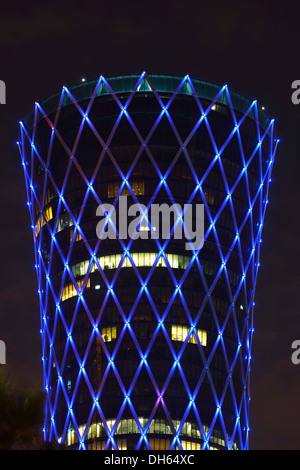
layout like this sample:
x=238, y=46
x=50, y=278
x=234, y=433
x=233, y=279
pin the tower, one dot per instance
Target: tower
x=147, y=344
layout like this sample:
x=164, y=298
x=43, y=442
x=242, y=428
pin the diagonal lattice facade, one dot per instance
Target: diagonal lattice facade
x=147, y=345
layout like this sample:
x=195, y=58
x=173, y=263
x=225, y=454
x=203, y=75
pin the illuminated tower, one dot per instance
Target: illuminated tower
x=147, y=345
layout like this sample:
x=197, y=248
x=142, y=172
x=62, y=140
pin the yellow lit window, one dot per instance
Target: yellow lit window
x=138, y=188
x=47, y=198
x=109, y=333
x=187, y=445
x=77, y=237
x=38, y=226
x=179, y=333
x=71, y=437
x=139, y=259
x=70, y=290
x=112, y=189
x=122, y=444
x=144, y=227
x=159, y=444
x=157, y=426
x=46, y=215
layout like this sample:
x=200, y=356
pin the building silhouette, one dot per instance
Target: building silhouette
x=147, y=345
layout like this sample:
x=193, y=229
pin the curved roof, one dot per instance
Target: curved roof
x=162, y=84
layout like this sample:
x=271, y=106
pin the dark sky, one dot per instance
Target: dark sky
x=254, y=48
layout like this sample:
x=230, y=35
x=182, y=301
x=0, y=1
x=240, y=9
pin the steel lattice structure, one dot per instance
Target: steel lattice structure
x=146, y=345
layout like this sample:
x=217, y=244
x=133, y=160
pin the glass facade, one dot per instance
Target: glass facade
x=147, y=345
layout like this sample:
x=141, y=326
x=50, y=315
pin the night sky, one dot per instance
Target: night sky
x=250, y=46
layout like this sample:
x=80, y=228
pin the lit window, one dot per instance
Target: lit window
x=122, y=444
x=157, y=426
x=70, y=290
x=64, y=221
x=109, y=333
x=187, y=445
x=179, y=333
x=45, y=216
x=218, y=108
x=48, y=215
x=138, y=188
x=77, y=237
x=144, y=227
x=112, y=189
x=139, y=259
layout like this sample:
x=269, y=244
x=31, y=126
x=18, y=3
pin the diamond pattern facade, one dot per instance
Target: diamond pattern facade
x=147, y=345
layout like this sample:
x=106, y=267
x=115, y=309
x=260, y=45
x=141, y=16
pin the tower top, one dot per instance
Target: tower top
x=152, y=83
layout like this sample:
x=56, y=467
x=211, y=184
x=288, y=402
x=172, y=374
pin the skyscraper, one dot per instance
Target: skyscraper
x=147, y=344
